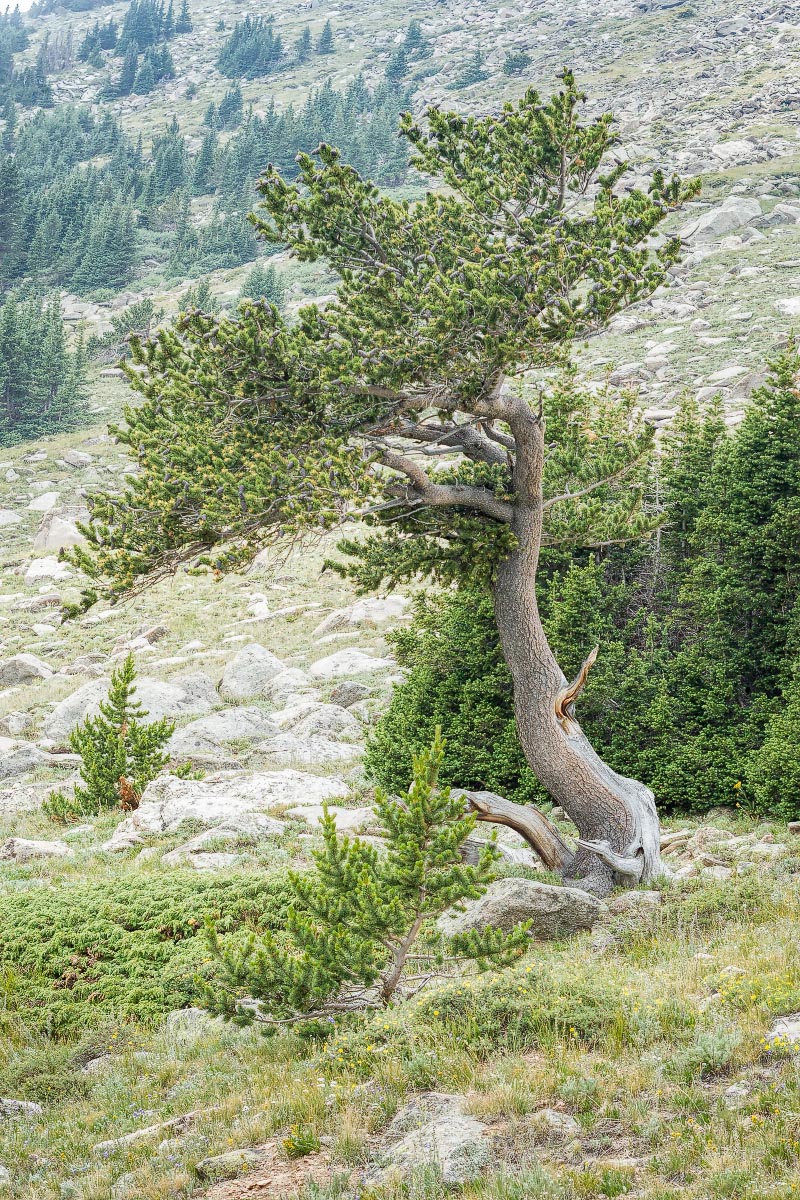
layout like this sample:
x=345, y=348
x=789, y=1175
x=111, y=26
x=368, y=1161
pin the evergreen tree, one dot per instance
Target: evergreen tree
x=516, y=62
x=203, y=177
x=127, y=76
x=184, y=21
x=355, y=918
x=9, y=116
x=472, y=72
x=120, y=753
x=415, y=42
x=325, y=40
x=397, y=67
x=231, y=107
x=332, y=392
x=263, y=283
x=303, y=46
x=145, y=79
x=201, y=297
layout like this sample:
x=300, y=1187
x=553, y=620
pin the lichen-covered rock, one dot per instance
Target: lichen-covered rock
x=227, y=1166
x=24, y=850
x=348, y=662
x=433, y=1131
x=554, y=912
x=188, y=695
x=22, y=668
x=248, y=674
x=207, y=734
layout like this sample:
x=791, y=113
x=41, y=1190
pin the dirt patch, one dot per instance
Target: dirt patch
x=276, y=1177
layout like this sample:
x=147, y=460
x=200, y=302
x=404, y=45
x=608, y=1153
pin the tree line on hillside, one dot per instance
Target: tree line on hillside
x=27, y=86
x=77, y=194
x=42, y=382
x=254, y=49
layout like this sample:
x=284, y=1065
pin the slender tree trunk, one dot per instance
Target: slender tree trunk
x=616, y=817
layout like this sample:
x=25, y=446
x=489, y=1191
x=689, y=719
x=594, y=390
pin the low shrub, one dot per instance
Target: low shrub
x=125, y=947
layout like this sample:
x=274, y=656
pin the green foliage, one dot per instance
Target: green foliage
x=356, y=918
x=694, y=690
x=263, y=283
x=251, y=50
x=120, y=754
x=124, y=947
x=441, y=299
x=42, y=383
x=136, y=320
x=516, y=62
x=325, y=40
x=471, y=72
x=199, y=295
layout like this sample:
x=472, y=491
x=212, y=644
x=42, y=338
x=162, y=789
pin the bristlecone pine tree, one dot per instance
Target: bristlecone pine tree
x=119, y=753
x=356, y=918
x=451, y=325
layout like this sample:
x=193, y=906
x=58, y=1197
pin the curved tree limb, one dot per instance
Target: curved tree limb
x=526, y=820
x=424, y=491
x=565, y=700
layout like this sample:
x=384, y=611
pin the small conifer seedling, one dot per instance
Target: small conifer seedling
x=356, y=919
x=120, y=754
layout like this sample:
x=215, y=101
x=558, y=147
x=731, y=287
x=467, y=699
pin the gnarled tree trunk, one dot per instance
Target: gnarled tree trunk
x=619, y=840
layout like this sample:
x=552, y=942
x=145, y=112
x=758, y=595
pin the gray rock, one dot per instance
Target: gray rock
x=247, y=675
x=7, y=517
x=147, y=1134
x=14, y=723
x=207, y=734
x=48, y=567
x=22, y=850
x=309, y=751
x=227, y=1166
x=190, y=695
x=195, y=853
x=5, y=1176
x=19, y=1108
x=432, y=1131
x=21, y=759
x=734, y=213
x=369, y=612
x=549, y=1120
x=288, y=685
x=56, y=532
x=348, y=662
x=785, y=1031
x=77, y=458
x=634, y=902
x=349, y=692
x=554, y=912
x=21, y=668
x=218, y=800
x=329, y=721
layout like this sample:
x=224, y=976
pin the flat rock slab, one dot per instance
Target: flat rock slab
x=432, y=1131
x=348, y=662
x=218, y=800
x=309, y=751
x=249, y=673
x=22, y=668
x=554, y=912
x=207, y=734
x=189, y=695
x=19, y=1108
x=22, y=850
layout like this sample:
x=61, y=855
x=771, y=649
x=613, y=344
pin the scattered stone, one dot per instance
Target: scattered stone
x=21, y=668
x=549, y=1120
x=55, y=533
x=349, y=692
x=790, y=307
x=329, y=721
x=147, y=1134
x=309, y=751
x=22, y=850
x=46, y=568
x=45, y=502
x=634, y=902
x=7, y=517
x=227, y=1166
x=5, y=1176
x=24, y=757
x=15, y=723
x=77, y=458
x=348, y=820
x=433, y=1130
x=794, y=827
x=554, y=912
x=735, y=212
x=289, y=685
x=248, y=674
x=206, y=735
x=786, y=1030
x=219, y=799
x=348, y=662
x=369, y=612
x=195, y=853
x=189, y=695
x=19, y=1108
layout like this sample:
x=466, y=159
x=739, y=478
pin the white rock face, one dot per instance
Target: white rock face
x=46, y=568
x=433, y=1130
x=22, y=758
x=369, y=612
x=56, y=532
x=219, y=799
x=247, y=675
x=790, y=307
x=734, y=213
x=348, y=820
x=311, y=719
x=14, y=723
x=207, y=734
x=23, y=850
x=21, y=668
x=554, y=912
x=289, y=684
x=45, y=502
x=348, y=662
x=191, y=695
x=310, y=751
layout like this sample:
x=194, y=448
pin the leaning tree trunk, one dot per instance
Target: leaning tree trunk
x=619, y=836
